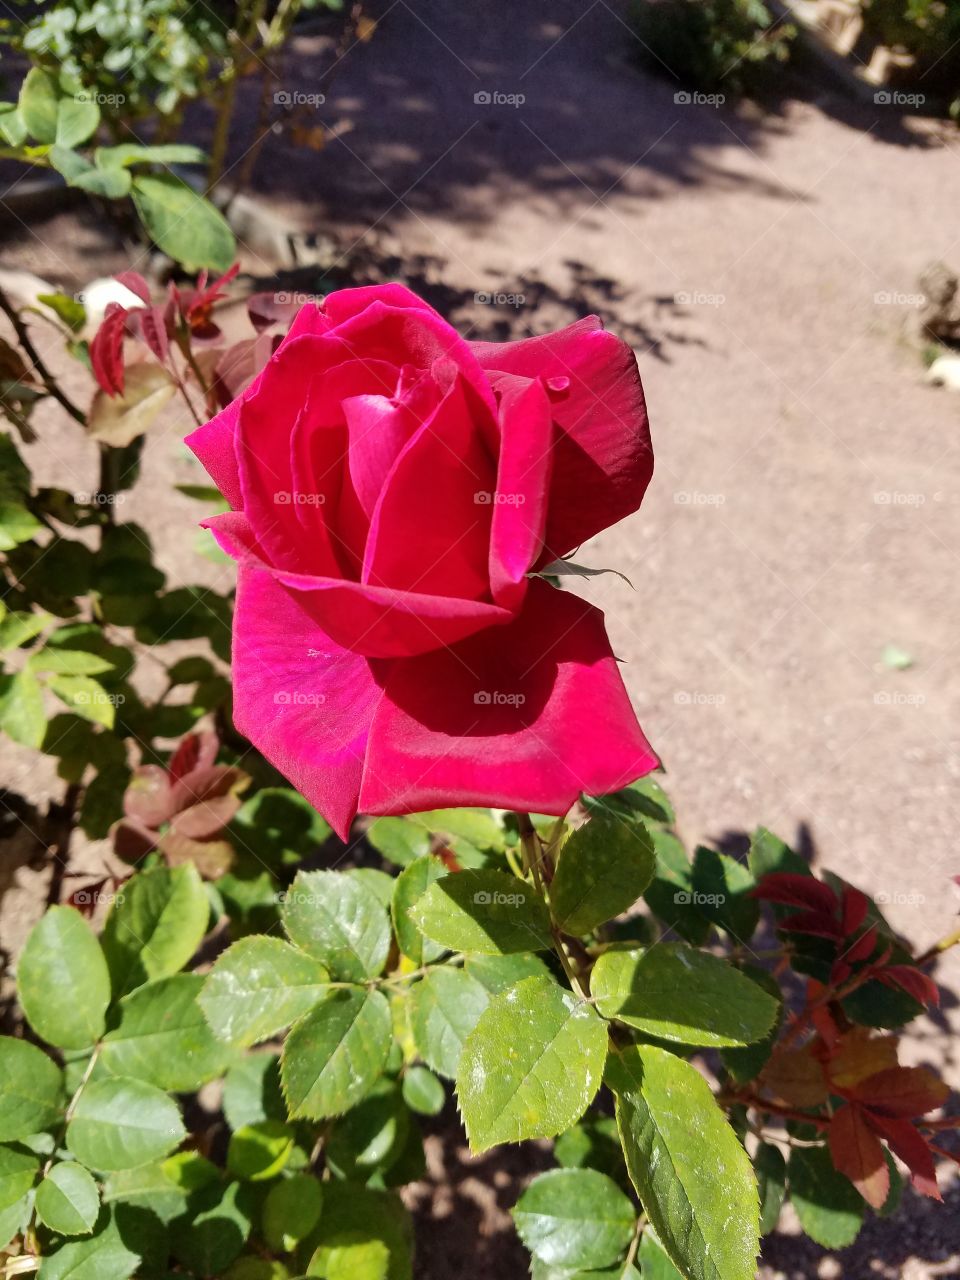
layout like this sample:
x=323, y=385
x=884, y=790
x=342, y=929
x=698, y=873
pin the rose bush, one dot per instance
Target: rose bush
x=393, y=489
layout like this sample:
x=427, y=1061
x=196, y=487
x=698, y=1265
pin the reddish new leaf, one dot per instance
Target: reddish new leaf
x=106, y=350
x=912, y=981
x=196, y=751
x=819, y=924
x=858, y=1055
x=854, y=908
x=901, y=1091
x=863, y=948
x=792, y=890
x=858, y=1155
x=907, y=1143
x=148, y=800
x=135, y=282
x=795, y=1077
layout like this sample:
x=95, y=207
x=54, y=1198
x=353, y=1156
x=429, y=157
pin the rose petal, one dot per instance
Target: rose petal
x=602, y=458
x=376, y=622
x=430, y=531
x=215, y=442
x=522, y=492
x=300, y=698
x=524, y=717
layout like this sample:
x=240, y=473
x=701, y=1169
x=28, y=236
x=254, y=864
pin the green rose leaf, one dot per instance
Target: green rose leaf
x=258, y=987
x=410, y=886
x=68, y=1201
x=121, y=1124
x=575, y=1218
x=723, y=888
x=771, y=1171
x=674, y=992
x=531, y=1065
x=31, y=1089
x=17, y=525
x=339, y=921
x=444, y=1008
x=38, y=105
x=603, y=869
x=259, y=1151
x=181, y=223
x=291, y=1211
x=399, y=840
x=670, y=894
x=22, y=716
x=163, y=1037
x=77, y=119
x=496, y=973
x=214, y=1228
x=122, y=1246
x=86, y=697
x=694, y=1179
x=18, y=1168
x=491, y=912
x=422, y=1091
x=155, y=925
x=335, y=1054
x=251, y=1091
x=829, y=1206
x=353, y=1214
x=654, y=1262
x=63, y=981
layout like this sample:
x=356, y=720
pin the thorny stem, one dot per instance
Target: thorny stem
x=46, y=377
x=532, y=852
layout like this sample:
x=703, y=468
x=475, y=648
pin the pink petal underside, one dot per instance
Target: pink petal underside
x=299, y=697
x=526, y=716
x=215, y=442
x=430, y=531
x=377, y=622
x=522, y=491
x=602, y=459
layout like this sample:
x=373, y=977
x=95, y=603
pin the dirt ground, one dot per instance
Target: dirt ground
x=805, y=513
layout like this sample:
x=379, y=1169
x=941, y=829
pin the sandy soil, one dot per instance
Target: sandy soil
x=806, y=509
